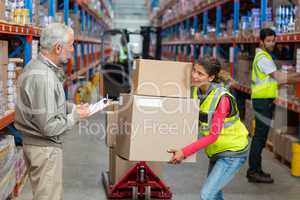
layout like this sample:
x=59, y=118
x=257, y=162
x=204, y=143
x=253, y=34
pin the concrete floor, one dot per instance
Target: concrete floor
x=86, y=156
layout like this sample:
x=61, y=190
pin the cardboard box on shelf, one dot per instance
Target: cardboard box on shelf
x=289, y=140
x=286, y=90
x=249, y=116
x=2, y=9
x=280, y=63
x=149, y=126
x=278, y=144
x=286, y=121
x=174, y=79
x=119, y=167
x=3, y=77
x=76, y=26
x=229, y=27
x=4, y=52
x=244, y=72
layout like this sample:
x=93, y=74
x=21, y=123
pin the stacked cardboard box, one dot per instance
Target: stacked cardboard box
x=244, y=72
x=289, y=140
x=35, y=49
x=162, y=78
x=285, y=132
x=285, y=120
x=119, y=167
x=249, y=117
x=112, y=125
x=3, y=63
x=278, y=143
x=73, y=21
x=76, y=25
x=2, y=9
x=282, y=144
x=3, y=76
x=149, y=126
x=229, y=27
x=297, y=14
x=11, y=85
x=160, y=115
x=168, y=121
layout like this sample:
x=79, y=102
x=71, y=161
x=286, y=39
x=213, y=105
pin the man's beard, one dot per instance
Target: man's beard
x=63, y=61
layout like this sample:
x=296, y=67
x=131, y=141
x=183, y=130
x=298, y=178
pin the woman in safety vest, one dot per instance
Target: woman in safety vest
x=225, y=138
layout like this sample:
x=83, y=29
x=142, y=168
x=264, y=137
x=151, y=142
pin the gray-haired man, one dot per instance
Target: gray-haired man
x=42, y=113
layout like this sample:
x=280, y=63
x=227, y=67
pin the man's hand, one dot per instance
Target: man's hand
x=177, y=157
x=83, y=110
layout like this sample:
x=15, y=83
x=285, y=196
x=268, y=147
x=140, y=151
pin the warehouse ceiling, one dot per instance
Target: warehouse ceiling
x=130, y=14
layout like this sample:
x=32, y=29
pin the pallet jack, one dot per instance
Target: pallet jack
x=140, y=182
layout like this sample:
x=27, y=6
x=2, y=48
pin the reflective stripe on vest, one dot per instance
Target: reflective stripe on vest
x=211, y=108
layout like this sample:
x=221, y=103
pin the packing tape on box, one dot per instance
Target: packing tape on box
x=121, y=101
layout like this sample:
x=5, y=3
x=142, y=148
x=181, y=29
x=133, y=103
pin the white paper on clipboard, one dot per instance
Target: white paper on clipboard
x=99, y=106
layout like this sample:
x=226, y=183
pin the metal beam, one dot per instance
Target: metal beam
x=66, y=11
x=236, y=16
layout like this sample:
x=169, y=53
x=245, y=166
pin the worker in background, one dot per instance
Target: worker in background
x=123, y=51
x=264, y=90
x=225, y=138
x=42, y=114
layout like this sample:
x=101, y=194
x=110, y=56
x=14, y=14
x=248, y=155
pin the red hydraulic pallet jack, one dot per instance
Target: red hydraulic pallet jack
x=139, y=183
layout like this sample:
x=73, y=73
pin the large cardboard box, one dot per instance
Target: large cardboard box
x=149, y=126
x=112, y=125
x=119, y=167
x=4, y=52
x=162, y=78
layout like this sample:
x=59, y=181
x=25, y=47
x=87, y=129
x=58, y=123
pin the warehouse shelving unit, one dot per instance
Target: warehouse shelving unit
x=161, y=11
x=91, y=61
x=200, y=41
x=232, y=41
x=86, y=45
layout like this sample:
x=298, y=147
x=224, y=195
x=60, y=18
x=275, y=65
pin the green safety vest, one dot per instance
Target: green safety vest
x=123, y=56
x=234, y=134
x=263, y=86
